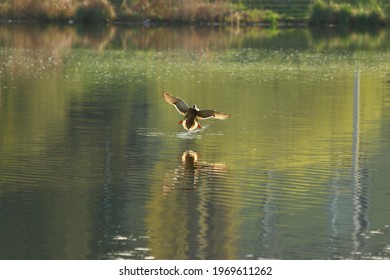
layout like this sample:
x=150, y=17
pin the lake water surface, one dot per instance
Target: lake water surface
x=93, y=163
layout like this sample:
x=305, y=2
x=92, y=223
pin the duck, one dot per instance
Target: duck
x=192, y=114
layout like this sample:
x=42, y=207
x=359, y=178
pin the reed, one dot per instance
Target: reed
x=196, y=11
x=177, y=10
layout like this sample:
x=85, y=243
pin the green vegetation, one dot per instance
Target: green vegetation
x=232, y=12
x=346, y=14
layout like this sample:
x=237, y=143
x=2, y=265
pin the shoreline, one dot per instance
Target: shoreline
x=178, y=23
x=168, y=23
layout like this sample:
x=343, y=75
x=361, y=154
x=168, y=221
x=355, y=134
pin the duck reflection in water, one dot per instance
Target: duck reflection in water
x=188, y=174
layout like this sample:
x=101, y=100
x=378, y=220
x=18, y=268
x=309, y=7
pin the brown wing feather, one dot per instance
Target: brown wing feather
x=206, y=114
x=179, y=104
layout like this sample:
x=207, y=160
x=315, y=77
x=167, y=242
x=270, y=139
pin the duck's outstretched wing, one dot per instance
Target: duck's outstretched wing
x=179, y=104
x=206, y=114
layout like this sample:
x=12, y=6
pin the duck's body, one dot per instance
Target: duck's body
x=192, y=114
x=190, y=121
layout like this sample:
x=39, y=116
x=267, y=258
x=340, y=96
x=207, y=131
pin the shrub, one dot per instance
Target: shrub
x=345, y=14
x=95, y=11
x=60, y=10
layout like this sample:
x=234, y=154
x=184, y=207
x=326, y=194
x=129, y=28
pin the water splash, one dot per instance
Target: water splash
x=189, y=135
x=193, y=134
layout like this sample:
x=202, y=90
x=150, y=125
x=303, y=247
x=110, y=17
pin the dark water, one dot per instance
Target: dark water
x=93, y=163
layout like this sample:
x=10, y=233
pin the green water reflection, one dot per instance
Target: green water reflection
x=94, y=165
